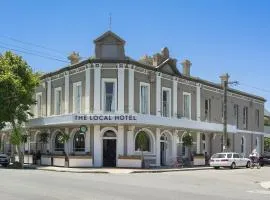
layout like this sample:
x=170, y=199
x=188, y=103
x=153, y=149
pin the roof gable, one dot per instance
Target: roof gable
x=169, y=67
x=109, y=37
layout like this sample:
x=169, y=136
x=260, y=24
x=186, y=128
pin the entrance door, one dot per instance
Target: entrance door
x=162, y=154
x=109, y=152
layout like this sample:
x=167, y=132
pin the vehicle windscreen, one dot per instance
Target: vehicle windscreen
x=219, y=156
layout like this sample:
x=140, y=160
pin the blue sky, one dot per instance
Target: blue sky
x=217, y=36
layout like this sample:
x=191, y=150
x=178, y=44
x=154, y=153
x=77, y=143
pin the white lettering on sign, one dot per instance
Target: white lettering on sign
x=105, y=117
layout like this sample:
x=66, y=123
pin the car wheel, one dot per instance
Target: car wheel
x=233, y=166
x=248, y=164
x=216, y=167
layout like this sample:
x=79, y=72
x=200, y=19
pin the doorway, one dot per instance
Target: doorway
x=162, y=153
x=109, y=149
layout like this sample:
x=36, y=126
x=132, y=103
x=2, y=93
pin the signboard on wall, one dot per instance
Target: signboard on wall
x=104, y=117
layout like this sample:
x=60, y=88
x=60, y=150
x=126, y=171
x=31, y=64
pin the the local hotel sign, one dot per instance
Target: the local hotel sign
x=105, y=117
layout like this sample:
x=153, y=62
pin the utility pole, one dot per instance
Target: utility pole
x=225, y=81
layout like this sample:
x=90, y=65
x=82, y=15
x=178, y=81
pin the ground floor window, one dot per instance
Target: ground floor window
x=79, y=142
x=59, y=143
x=142, y=142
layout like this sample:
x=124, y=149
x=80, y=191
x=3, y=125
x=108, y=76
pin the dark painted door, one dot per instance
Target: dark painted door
x=109, y=153
x=162, y=153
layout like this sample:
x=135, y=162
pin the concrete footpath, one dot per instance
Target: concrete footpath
x=115, y=170
x=265, y=185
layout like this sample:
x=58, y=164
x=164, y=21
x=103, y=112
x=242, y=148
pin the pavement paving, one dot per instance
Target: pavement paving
x=116, y=170
x=210, y=184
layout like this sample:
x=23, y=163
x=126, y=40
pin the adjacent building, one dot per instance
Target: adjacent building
x=116, y=99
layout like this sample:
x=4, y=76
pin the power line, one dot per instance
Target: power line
x=257, y=88
x=29, y=50
x=34, y=54
x=32, y=44
x=38, y=45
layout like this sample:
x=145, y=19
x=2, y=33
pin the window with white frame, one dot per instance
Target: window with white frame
x=57, y=100
x=207, y=109
x=77, y=97
x=142, y=142
x=187, y=105
x=144, y=98
x=245, y=117
x=39, y=104
x=166, y=102
x=109, y=95
x=257, y=118
x=236, y=114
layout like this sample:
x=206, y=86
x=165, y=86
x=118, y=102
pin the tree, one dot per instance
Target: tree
x=187, y=141
x=64, y=139
x=17, y=88
x=44, y=137
x=266, y=143
x=142, y=141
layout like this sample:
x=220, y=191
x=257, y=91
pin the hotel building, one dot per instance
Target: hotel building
x=115, y=99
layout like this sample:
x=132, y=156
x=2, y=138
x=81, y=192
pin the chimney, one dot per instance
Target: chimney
x=156, y=59
x=74, y=58
x=186, y=67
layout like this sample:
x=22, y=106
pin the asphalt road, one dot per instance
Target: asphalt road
x=192, y=185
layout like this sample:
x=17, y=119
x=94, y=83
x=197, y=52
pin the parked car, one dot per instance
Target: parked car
x=229, y=159
x=4, y=160
x=265, y=159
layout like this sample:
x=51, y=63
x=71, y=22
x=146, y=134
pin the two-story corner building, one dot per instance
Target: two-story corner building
x=119, y=99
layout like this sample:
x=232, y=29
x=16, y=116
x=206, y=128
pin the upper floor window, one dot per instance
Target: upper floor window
x=257, y=118
x=58, y=100
x=207, y=109
x=109, y=95
x=39, y=104
x=236, y=114
x=187, y=105
x=77, y=97
x=245, y=117
x=166, y=104
x=145, y=98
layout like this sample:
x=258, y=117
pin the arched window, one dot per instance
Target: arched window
x=59, y=143
x=242, y=145
x=79, y=142
x=142, y=142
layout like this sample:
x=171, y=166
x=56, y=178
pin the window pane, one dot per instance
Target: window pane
x=144, y=100
x=79, y=142
x=109, y=97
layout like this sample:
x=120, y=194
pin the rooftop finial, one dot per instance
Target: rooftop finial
x=110, y=22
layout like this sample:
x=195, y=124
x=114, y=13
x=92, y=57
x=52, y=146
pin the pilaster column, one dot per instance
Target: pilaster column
x=49, y=93
x=174, y=107
x=158, y=147
x=198, y=142
x=130, y=89
x=158, y=95
x=130, y=140
x=67, y=144
x=198, y=102
x=120, y=141
x=87, y=140
x=87, y=90
x=97, y=88
x=66, y=111
x=174, y=145
x=97, y=147
x=121, y=88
